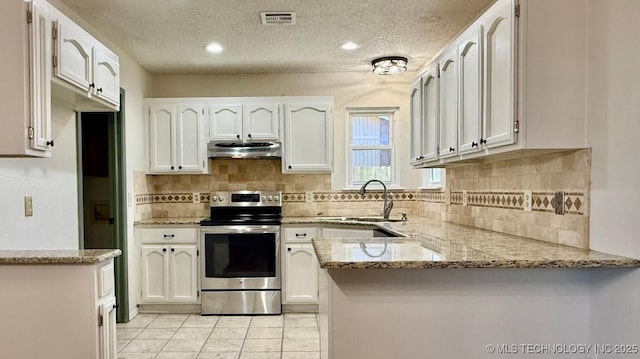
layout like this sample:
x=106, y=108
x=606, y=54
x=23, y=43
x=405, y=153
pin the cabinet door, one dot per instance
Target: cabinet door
x=161, y=140
x=308, y=138
x=107, y=329
x=301, y=273
x=40, y=67
x=499, y=74
x=415, y=98
x=189, y=156
x=225, y=123
x=261, y=122
x=430, y=114
x=470, y=101
x=106, y=74
x=155, y=274
x=73, y=52
x=448, y=104
x=184, y=274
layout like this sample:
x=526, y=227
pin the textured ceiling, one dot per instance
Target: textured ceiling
x=169, y=36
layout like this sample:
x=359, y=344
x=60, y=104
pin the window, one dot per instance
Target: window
x=371, y=146
x=433, y=178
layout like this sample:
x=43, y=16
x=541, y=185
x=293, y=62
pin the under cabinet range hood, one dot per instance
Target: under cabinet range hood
x=244, y=150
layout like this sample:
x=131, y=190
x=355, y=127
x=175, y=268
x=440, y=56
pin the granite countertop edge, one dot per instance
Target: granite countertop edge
x=87, y=256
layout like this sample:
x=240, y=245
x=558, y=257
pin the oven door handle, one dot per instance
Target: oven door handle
x=240, y=229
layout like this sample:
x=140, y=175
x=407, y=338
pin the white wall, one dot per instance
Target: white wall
x=52, y=182
x=352, y=89
x=614, y=114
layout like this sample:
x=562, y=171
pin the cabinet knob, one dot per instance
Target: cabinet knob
x=238, y=136
x=179, y=167
x=164, y=249
x=173, y=249
x=482, y=140
x=289, y=249
x=474, y=144
x=451, y=149
x=99, y=89
x=50, y=143
x=249, y=135
x=172, y=167
x=289, y=167
x=92, y=85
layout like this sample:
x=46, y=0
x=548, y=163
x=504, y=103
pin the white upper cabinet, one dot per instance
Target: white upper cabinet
x=176, y=140
x=415, y=101
x=448, y=103
x=261, y=122
x=470, y=100
x=308, y=135
x=247, y=120
x=25, y=89
x=225, y=123
x=499, y=74
x=500, y=92
x=430, y=114
x=87, y=73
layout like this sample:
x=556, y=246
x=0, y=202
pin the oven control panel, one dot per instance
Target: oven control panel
x=245, y=198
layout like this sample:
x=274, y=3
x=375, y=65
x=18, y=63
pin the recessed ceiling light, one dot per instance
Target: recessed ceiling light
x=214, y=47
x=349, y=46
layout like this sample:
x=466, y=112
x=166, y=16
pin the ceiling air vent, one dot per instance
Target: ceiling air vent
x=278, y=17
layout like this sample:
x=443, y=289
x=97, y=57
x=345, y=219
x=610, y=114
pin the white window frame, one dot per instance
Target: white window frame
x=392, y=112
x=429, y=183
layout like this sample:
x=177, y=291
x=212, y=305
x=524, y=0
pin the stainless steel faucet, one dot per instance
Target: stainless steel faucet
x=388, y=198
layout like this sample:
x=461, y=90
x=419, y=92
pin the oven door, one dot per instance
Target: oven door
x=240, y=257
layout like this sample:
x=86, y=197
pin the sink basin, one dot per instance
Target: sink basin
x=364, y=219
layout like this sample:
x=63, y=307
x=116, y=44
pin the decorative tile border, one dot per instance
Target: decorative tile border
x=575, y=202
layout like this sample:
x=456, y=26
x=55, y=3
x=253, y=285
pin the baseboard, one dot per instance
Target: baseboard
x=300, y=308
x=133, y=313
x=171, y=308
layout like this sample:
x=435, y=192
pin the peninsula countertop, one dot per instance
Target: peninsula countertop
x=80, y=256
x=447, y=245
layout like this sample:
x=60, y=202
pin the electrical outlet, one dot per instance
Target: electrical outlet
x=528, y=201
x=465, y=198
x=558, y=202
x=196, y=197
x=129, y=199
x=447, y=196
x=308, y=196
x=28, y=206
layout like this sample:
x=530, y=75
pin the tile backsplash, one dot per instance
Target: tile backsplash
x=495, y=195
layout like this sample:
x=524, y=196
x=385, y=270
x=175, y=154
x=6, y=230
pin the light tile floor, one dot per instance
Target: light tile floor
x=192, y=336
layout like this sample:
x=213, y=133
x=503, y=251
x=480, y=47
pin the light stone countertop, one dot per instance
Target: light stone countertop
x=80, y=256
x=449, y=246
x=169, y=221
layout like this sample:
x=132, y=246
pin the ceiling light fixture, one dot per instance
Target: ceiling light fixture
x=349, y=46
x=390, y=65
x=214, y=47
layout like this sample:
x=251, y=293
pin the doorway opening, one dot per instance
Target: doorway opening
x=102, y=192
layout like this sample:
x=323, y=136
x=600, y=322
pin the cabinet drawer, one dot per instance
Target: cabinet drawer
x=300, y=234
x=168, y=235
x=106, y=280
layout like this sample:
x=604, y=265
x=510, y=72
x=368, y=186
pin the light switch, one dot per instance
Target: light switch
x=308, y=196
x=28, y=206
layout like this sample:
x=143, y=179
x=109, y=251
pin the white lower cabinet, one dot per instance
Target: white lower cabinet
x=169, y=267
x=302, y=273
x=300, y=266
x=107, y=329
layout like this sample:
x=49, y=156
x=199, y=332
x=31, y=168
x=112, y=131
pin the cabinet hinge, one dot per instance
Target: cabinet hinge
x=30, y=133
x=54, y=32
x=54, y=60
x=203, y=111
x=198, y=294
x=197, y=252
x=438, y=71
x=100, y=320
x=516, y=11
x=516, y=126
x=29, y=16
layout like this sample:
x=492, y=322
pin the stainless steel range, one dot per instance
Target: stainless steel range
x=240, y=253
